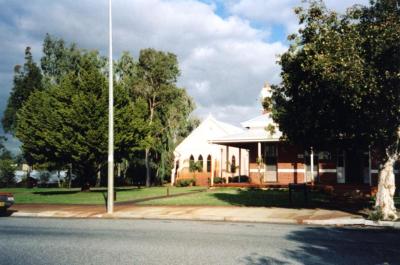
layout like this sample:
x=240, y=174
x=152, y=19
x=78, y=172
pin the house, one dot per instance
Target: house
x=268, y=160
x=216, y=160
x=274, y=161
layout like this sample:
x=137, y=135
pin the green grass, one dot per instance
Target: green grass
x=244, y=197
x=95, y=196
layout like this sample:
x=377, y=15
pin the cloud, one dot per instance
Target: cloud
x=224, y=61
x=281, y=12
x=224, y=47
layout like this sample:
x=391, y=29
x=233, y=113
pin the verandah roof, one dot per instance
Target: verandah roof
x=248, y=136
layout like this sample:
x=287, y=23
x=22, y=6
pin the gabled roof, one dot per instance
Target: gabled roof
x=260, y=121
x=256, y=132
x=209, y=128
x=254, y=135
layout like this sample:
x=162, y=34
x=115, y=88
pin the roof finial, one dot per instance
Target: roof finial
x=266, y=91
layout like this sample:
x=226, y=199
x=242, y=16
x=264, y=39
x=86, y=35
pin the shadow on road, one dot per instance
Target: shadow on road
x=318, y=245
x=7, y=212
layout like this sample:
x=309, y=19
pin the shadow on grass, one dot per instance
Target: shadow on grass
x=66, y=192
x=59, y=192
x=321, y=245
x=280, y=198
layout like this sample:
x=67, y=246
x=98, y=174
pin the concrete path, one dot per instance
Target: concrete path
x=216, y=213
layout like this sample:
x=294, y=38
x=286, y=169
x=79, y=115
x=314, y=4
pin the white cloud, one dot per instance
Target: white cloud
x=281, y=12
x=224, y=61
x=229, y=113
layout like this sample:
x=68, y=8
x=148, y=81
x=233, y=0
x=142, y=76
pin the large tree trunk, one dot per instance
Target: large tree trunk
x=70, y=176
x=386, y=190
x=146, y=162
x=147, y=151
x=98, y=179
x=58, y=179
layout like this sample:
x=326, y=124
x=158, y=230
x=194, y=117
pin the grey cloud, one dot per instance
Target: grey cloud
x=224, y=61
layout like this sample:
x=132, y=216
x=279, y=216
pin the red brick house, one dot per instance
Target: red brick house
x=275, y=162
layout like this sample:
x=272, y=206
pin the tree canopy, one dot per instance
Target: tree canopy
x=27, y=79
x=168, y=109
x=341, y=79
x=62, y=121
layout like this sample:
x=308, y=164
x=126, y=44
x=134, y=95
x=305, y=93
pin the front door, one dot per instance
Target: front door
x=354, y=166
x=271, y=159
x=307, y=164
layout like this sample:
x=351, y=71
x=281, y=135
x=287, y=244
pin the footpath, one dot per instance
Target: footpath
x=203, y=213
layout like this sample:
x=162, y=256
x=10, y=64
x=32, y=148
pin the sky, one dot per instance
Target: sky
x=226, y=49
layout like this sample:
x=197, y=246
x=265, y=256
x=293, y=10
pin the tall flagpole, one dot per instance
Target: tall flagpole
x=110, y=191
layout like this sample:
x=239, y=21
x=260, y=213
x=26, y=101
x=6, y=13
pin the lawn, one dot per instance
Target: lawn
x=244, y=197
x=266, y=198
x=95, y=196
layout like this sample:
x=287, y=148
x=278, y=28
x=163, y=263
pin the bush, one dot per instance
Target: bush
x=375, y=215
x=7, y=175
x=185, y=182
x=218, y=180
x=235, y=179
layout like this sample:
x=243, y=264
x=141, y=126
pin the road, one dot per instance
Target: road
x=91, y=241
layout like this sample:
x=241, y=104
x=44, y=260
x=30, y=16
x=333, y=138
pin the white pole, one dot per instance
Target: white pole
x=110, y=191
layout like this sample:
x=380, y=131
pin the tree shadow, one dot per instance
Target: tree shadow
x=321, y=245
x=280, y=198
x=60, y=192
x=75, y=191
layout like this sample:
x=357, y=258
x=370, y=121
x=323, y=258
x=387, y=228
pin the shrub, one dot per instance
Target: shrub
x=7, y=175
x=218, y=180
x=235, y=179
x=375, y=215
x=185, y=182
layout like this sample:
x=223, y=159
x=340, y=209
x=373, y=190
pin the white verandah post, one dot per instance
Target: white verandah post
x=369, y=166
x=227, y=164
x=240, y=163
x=312, y=164
x=212, y=171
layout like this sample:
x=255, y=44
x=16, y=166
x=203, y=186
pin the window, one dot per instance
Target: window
x=200, y=163
x=271, y=159
x=209, y=163
x=270, y=150
x=233, y=164
x=191, y=163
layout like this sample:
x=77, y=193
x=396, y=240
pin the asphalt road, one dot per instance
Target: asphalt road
x=88, y=241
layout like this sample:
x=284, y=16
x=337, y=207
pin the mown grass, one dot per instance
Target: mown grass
x=95, y=196
x=245, y=197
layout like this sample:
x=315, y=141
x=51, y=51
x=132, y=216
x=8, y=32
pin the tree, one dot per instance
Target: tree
x=2, y=140
x=340, y=84
x=168, y=107
x=27, y=79
x=7, y=165
x=67, y=122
